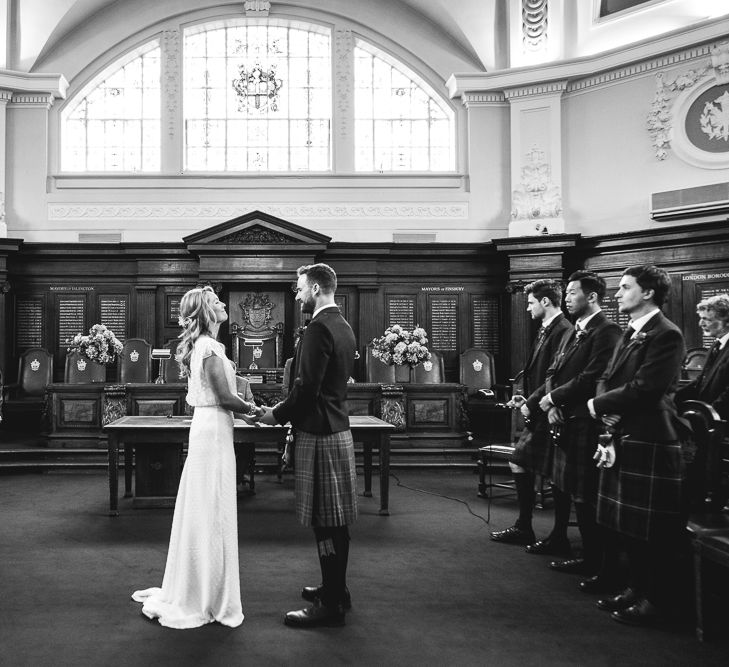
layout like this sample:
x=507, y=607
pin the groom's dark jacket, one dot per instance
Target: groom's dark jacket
x=323, y=363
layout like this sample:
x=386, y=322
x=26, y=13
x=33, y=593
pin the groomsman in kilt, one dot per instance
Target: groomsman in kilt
x=325, y=474
x=712, y=385
x=571, y=380
x=641, y=478
x=532, y=454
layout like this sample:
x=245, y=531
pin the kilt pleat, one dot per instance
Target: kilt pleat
x=533, y=450
x=573, y=469
x=325, y=482
x=638, y=503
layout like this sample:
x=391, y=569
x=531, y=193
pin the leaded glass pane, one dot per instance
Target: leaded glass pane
x=401, y=123
x=229, y=74
x=102, y=127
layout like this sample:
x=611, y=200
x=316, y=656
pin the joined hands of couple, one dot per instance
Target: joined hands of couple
x=257, y=415
x=605, y=452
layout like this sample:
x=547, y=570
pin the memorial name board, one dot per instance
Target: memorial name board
x=29, y=322
x=485, y=318
x=444, y=323
x=610, y=308
x=401, y=310
x=113, y=314
x=71, y=319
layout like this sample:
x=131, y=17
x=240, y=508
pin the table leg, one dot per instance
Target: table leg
x=128, y=465
x=113, y=447
x=384, y=474
x=252, y=485
x=367, y=456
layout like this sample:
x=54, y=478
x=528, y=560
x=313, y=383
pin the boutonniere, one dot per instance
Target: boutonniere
x=639, y=339
x=581, y=335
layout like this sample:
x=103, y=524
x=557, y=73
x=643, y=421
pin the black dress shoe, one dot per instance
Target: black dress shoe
x=622, y=600
x=313, y=593
x=513, y=535
x=640, y=613
x=315, y=617
x=551, y=547
x=598, y=584
x=571, y=566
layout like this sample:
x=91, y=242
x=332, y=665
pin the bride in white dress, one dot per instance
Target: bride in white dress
x=201, y=582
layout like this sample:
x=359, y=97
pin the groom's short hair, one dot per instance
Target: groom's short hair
x=321, y=274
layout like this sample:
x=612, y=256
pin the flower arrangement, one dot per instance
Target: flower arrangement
x=398, y=346
x=101, y=345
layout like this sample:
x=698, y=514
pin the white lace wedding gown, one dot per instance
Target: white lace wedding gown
x=201, y=582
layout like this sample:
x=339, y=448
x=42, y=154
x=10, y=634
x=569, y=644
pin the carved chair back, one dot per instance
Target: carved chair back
x=429, y=372
x=136, y=361
x=35, y=372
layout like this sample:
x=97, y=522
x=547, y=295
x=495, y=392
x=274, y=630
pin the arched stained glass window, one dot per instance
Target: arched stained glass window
x=257, y=97
x=401, y=124
x=114, y=122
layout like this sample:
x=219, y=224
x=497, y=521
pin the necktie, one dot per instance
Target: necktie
x=711, y=357
x=541, y=335
x=627, y=335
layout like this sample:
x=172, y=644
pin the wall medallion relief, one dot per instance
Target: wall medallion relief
x=690, y=113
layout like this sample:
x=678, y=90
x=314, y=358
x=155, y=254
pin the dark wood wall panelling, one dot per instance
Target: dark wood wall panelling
x=377, y=283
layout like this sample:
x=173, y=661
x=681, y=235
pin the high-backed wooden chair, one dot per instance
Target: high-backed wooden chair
x=429, y=372
x=693, y=363
x=79, y=369
x=476, y=370
x=254, y=351
x=136, y=361
x=26, y=398
x=708, y=524
x=376, y=370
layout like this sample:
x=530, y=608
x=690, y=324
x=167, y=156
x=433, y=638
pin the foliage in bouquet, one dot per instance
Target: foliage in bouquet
x=399, y=346
x=101, y=345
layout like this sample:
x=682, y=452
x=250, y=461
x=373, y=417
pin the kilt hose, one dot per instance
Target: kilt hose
x=640, y=505
x=325, y=484
x=573, y=469
x=533, y=450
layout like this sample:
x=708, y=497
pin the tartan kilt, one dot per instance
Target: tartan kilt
x=641, y=495
x=325, y=484
x=573, y=469
x=533, y=450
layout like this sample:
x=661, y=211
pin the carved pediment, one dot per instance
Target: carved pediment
x=256, y=235
x=256, y=229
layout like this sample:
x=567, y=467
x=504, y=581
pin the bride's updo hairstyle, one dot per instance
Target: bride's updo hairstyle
x=196, y=318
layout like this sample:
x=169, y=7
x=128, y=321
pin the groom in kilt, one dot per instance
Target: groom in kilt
x=641, y=479
x=325, y=474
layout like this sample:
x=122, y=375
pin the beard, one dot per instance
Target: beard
x=308, y=305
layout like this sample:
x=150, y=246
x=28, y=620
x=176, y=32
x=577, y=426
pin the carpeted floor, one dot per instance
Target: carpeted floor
x=428, y=586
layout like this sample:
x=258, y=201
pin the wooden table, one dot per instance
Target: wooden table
x=137, y=431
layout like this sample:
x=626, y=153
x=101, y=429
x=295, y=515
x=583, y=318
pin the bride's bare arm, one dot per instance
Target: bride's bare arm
x=215, y=375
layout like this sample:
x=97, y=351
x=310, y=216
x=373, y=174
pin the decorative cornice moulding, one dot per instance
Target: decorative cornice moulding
x=640, y=69
x=138, y=211
x=31, y=100
x=483, y=99
x=24, y=82
x=536, y=90
x=584, y=72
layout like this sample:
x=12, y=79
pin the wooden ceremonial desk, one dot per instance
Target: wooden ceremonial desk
x=144, y=433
